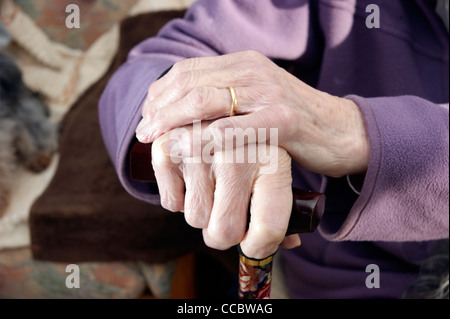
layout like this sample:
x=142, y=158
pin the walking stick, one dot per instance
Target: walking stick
x=255, y=275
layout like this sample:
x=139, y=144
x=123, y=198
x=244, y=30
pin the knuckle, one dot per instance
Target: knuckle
x=282, y=117
x=190, y=215
x=178, y=68
x=171, y=204
x=196, y=211
x=188, y=64
x=254, y=55
x=182, y=81
x=194, y=217
x=287, y=117
x=213, y=244
x=250, y=74
x=200, y=98
x=171, y=201
x=153, y=89
x=268, y=235
x=224, y=236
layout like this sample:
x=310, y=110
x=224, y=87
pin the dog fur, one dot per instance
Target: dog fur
x=27, y=137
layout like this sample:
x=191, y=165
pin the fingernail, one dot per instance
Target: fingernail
x=172, y=148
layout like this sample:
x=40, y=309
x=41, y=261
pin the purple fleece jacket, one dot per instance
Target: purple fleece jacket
x=397, y=74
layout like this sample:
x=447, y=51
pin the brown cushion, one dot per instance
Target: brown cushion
x=85, y=214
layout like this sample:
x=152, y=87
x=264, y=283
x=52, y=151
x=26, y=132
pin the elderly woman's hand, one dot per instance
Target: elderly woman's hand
x=215, y=192
x=322, y=133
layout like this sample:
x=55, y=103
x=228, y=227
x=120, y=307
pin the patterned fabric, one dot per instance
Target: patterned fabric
x=25, y=278
x=255, y=277
x=96, y=18
x=159, y=277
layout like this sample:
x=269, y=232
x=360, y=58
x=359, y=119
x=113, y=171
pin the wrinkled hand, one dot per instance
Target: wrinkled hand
x=215, y=193
x=323, y=133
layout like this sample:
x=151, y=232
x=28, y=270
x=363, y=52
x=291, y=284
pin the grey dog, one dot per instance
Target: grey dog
x=27, y=137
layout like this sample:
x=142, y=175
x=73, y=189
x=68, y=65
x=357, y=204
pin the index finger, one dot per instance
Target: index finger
x=167, y=79
x=234, y=69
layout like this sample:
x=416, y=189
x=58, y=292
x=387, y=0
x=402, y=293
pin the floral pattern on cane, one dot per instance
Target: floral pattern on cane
x=254, y=281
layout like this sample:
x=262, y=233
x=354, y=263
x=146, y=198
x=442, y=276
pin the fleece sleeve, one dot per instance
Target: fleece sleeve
x=279, y=30
x=405, y=194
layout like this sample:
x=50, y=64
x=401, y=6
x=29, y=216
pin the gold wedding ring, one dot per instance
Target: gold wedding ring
x=233, y=101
